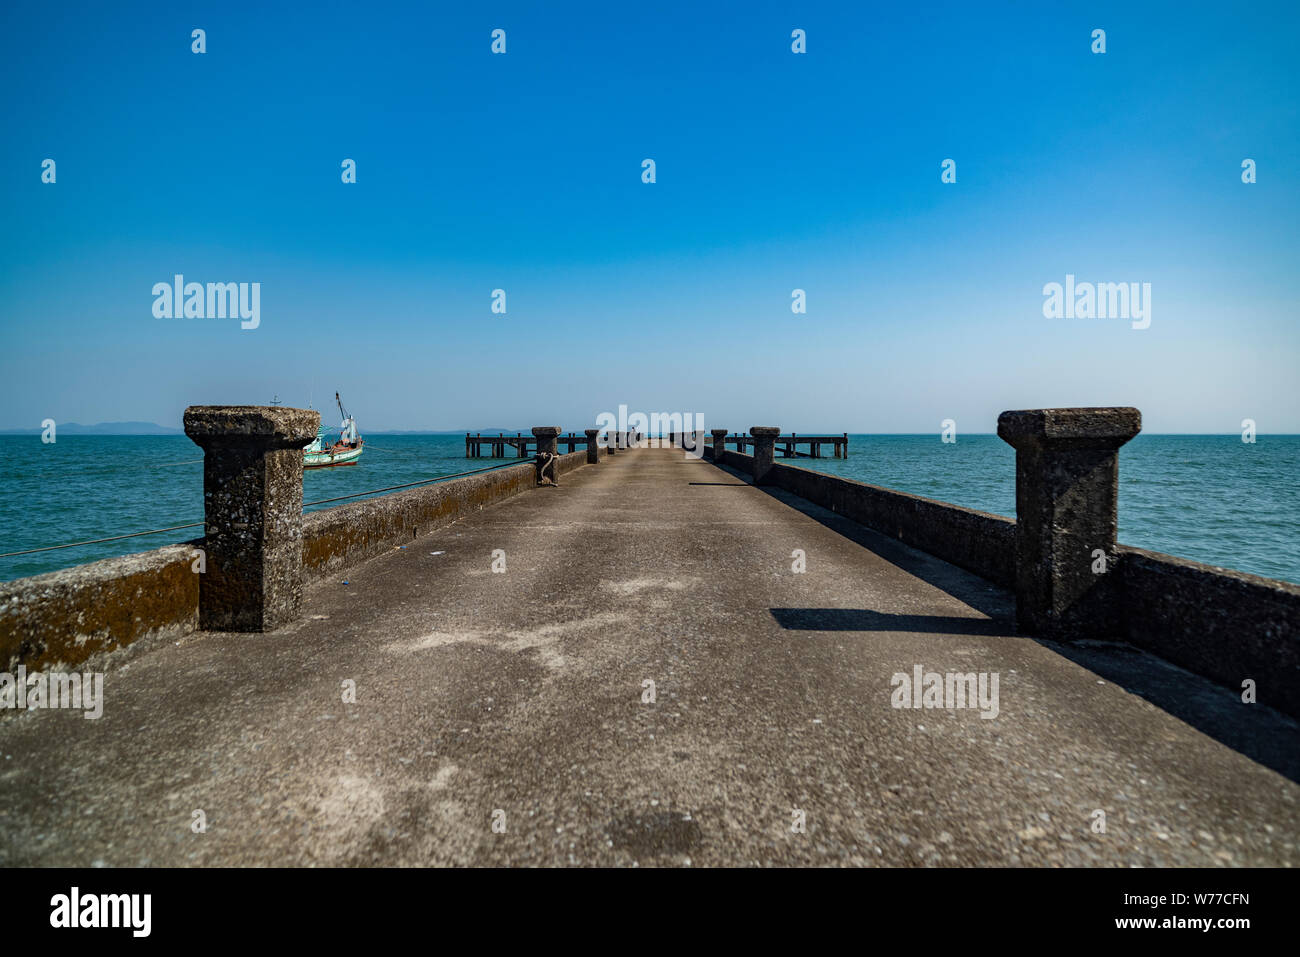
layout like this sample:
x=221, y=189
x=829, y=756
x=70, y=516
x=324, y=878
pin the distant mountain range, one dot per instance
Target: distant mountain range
x=101, y=428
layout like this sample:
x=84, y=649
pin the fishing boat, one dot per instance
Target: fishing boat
x=346, y=451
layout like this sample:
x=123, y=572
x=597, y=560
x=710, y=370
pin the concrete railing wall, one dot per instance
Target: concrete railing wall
x=976, y=541
x=1226, y=625
x=338, y=537
x=60, y=619
x=736, y=460
x=979, y=542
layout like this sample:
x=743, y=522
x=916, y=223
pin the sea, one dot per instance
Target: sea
x=1211, y=498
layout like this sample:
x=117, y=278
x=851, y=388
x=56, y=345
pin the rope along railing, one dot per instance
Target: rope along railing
x=325, y=501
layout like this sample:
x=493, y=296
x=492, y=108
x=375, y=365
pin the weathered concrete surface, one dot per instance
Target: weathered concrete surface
x=1067, y=505
x=61, y=618
x=764, y=451
x=522, y=691
x=976, y=541
x=252, y=503
x=1225, y=624
x=337, y=538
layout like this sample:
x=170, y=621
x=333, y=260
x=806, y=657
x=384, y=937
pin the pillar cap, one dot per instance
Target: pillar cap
x=257, y=424
x=546, y=431
x=591, y=431
x=1105, y=427
x=718, y=431
x=764, y=431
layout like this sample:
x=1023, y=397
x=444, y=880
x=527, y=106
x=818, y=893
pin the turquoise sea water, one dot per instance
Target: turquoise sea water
x=1211, y=498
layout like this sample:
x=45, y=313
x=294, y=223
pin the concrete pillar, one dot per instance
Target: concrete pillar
x=1067, y=489
x=719, y=444
x=252, y=504
x=547, y=438
x=764, y=451
x=593, y=450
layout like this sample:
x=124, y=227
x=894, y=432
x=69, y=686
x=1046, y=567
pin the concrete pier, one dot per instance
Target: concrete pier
x=672, y=665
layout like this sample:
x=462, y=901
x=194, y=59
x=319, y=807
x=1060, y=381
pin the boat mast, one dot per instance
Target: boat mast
x=349, y=427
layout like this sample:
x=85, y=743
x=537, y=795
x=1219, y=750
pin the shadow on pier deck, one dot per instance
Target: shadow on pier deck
x=520, y=697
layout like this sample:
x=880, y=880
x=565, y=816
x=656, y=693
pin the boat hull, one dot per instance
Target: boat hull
x=331, y=459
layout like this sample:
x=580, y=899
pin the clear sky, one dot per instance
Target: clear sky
x=775, y=171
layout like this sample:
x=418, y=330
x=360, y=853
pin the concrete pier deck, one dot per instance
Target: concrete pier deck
x=521, y=692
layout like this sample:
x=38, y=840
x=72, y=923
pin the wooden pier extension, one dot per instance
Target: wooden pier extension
x=524, y=445
x=788, y=445
x=494, y=446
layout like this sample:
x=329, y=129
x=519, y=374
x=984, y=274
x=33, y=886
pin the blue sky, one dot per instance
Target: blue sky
x=775, y=171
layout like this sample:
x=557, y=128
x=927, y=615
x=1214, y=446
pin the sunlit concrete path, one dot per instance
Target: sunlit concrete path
x=518, y=698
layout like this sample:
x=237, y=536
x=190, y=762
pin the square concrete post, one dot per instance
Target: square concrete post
x=764, y=451
x=719, y=443
x=252, y=503
x=1067, y=492
x=547, y=437
x=593, y=450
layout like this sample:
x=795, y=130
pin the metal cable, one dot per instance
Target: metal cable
x=97, y=541
x=392, y=488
